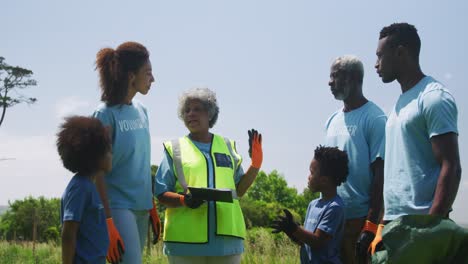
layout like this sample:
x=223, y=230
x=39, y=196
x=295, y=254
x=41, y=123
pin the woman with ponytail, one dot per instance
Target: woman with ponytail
x=126, y=191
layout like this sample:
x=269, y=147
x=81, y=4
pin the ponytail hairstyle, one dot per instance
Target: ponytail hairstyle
x=114, y=67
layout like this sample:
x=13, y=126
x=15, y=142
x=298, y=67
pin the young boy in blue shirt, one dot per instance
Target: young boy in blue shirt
x=84, y=146
x=320, y=238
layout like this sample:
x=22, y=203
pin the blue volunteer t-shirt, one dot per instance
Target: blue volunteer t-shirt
x=361, y=133
x=81, y=203
x=129, y=182
x=217, y=245
x=411, y=171
x=327, y=216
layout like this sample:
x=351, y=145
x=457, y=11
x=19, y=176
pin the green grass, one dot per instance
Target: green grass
x=19, y=253
x=260, y=247
x=263, y=247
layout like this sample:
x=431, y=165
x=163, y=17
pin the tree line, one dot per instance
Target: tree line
x=39, y=218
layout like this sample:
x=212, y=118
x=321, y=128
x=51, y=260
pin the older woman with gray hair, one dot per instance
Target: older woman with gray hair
x=197, y=230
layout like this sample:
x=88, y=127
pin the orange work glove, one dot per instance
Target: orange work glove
x=376, y=243
x=155, y=223
x=365, y=239
x=116, y=246
x=255, y=148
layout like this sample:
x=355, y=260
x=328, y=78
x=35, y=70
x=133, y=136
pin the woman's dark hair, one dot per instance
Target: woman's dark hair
x=114, y=67
x=333, y=163
x=82, y=142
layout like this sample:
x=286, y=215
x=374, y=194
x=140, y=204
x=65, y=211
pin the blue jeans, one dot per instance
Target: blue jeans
x=133, y=228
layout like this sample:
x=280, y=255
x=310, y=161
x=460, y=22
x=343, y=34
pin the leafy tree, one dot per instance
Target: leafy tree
x=273, y=188
x=302, y=201
x=268, y=195
x=257, y=212
x=12, y=79
x=6, y=230
x=19, y=219
x=52, y=234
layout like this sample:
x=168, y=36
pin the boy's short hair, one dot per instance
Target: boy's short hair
x=403, y=34
x=82, y=142
x=333, y=163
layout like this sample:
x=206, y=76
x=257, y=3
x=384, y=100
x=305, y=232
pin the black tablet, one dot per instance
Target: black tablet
x=212, y=194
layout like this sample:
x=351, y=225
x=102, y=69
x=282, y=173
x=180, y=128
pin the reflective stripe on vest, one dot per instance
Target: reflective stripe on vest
x=177, y=160
x=233, y=154
x=186, y=225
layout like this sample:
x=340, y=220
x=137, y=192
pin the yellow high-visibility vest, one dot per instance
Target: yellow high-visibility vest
x=186, y=225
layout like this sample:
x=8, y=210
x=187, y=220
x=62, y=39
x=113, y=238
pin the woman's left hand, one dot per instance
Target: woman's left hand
x=255, y=148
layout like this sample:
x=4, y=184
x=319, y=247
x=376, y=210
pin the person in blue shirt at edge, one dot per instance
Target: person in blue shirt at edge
x=321, y=236
x=126, y=191
x=422, y=168
x=359, y=129
x=84, y=146
x=196, y=231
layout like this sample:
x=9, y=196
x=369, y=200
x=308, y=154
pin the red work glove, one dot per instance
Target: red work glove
x=255, y=148
x=116, y=246
x=155, y=223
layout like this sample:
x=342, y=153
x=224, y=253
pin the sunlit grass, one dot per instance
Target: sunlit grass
x=22, y=253
x=260, y=247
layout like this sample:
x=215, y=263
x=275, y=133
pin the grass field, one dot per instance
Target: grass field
x=260, y=247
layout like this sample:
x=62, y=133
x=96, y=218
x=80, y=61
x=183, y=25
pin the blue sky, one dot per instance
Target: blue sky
x=268, y=62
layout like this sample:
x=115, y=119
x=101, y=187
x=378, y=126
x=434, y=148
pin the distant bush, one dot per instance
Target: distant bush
x=52, y=234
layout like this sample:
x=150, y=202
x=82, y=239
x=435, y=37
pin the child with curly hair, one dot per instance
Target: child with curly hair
x=320, y=238
x=84, y=146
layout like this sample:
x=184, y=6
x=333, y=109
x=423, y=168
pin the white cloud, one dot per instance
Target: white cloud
x=71, y=105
